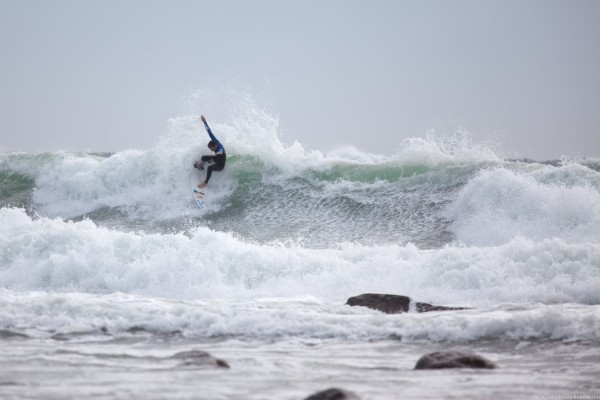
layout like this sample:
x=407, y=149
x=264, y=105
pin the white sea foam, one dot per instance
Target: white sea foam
x=534, y=201
x=436, y=150
x=53, y=255
x=42, y=314
x=152, y=184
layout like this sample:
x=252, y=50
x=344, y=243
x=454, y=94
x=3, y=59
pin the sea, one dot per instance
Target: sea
x=109, y=271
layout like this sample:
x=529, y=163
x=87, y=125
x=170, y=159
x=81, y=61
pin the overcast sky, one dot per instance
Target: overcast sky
x=107, y=75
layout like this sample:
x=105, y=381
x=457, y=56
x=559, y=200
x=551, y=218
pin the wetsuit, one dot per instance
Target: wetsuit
x=218, y=159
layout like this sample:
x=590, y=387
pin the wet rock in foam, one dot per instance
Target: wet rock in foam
x=333, y=394
x=197, y=358
x=394, y=304
x=453, y=359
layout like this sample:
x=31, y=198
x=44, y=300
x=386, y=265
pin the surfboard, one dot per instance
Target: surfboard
x=199, y=197
x=199, y=194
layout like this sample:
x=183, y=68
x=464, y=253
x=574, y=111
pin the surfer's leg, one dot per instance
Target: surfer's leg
x=210, y=170
x=208, y=173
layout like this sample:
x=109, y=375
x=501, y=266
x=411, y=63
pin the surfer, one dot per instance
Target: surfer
x=217, y=161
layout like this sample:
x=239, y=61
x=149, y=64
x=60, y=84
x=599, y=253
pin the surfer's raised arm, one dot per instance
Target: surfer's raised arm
x=212, y=136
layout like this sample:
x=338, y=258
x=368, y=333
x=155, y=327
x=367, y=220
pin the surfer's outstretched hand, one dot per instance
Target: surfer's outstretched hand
x=202, y=118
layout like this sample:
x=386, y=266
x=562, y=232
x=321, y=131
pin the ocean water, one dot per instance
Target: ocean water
x=108, y=269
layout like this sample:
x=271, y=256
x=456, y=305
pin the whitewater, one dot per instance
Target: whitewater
x=108, y=269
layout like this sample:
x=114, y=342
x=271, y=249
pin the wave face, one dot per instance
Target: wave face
x=441, y=220
x=268, y=192
x=430, y=193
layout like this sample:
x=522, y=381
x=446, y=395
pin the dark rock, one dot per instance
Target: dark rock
x=136, y=329
x=333, y=394
x=197, y=358
x=387, y=303
x=453, y=359
x=394, y=304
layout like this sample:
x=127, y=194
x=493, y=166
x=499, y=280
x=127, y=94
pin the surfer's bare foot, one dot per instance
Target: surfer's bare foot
x=202, y=185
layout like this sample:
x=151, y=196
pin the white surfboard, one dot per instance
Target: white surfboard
x=199, y=197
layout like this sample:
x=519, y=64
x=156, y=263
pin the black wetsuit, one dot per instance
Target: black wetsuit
x=218, y=159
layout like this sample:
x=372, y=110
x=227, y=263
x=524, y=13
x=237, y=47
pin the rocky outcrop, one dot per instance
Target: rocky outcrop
x=453, y=359
x=197, y=358
x=394, y=304
x=333, y=394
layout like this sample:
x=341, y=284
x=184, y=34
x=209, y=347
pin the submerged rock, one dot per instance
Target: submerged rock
x=453, y=359
x=333, y=394
x=197, y=358
x=394, y=304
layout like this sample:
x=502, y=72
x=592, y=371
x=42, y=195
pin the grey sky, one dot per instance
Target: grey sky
x=107, y=75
